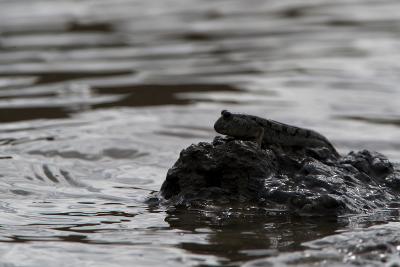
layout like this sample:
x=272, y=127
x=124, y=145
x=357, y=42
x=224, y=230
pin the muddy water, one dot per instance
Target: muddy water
x=97, y=98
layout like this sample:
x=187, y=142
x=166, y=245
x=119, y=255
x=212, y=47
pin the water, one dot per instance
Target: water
x=97, y=98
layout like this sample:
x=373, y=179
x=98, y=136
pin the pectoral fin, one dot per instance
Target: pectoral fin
x=260, y=136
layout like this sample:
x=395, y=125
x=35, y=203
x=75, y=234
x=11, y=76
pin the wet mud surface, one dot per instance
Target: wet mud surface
x=98, y=98
x=307, y=181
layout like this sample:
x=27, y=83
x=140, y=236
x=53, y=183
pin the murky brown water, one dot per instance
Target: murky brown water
x=97, y=98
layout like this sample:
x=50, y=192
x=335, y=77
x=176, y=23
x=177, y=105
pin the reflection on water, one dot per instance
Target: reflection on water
x=97, y=99
x=155, y=94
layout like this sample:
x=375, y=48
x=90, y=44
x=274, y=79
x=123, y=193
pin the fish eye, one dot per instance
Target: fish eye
x=226, y=114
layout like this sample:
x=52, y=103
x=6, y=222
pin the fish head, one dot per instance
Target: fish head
x=237, y=125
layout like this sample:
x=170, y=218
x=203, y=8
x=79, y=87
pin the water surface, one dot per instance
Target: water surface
x=97, y=99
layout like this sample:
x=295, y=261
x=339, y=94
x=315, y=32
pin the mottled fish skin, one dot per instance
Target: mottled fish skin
x=245, y=126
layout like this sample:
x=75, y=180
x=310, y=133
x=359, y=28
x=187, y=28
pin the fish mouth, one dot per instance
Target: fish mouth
x=219, y=127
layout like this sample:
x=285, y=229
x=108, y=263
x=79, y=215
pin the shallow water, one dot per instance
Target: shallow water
x=97, y=99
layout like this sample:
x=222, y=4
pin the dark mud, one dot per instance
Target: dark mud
x=301, y=181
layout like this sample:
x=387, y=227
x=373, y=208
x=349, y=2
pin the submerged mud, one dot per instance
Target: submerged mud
x=302, y=181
